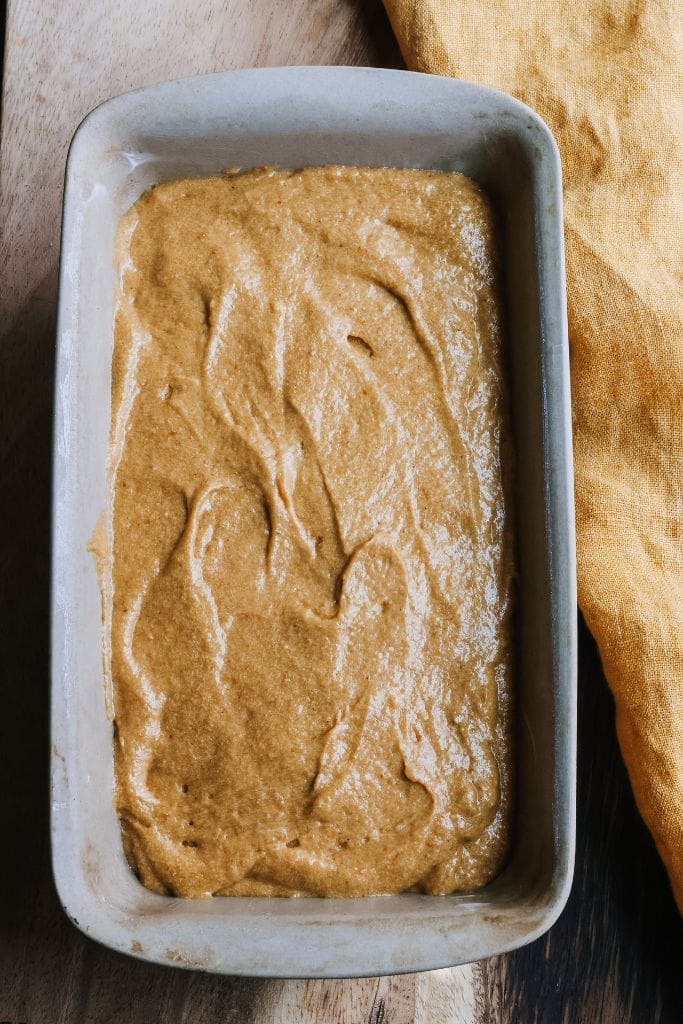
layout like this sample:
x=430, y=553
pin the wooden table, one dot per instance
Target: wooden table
x=614, y=955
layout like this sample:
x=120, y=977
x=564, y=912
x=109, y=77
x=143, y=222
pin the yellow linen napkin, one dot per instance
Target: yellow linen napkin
x=606, y=77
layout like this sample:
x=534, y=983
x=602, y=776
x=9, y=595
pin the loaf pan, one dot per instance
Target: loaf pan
x=292, y=117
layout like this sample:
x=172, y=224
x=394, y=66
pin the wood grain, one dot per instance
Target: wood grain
x=614, y=955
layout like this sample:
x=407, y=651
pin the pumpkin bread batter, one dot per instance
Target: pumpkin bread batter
x=310, y=570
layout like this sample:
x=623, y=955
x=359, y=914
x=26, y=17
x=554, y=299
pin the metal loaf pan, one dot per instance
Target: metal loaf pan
x=294, y=117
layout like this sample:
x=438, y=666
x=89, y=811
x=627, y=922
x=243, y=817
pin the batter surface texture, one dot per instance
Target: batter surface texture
x=310, y=547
